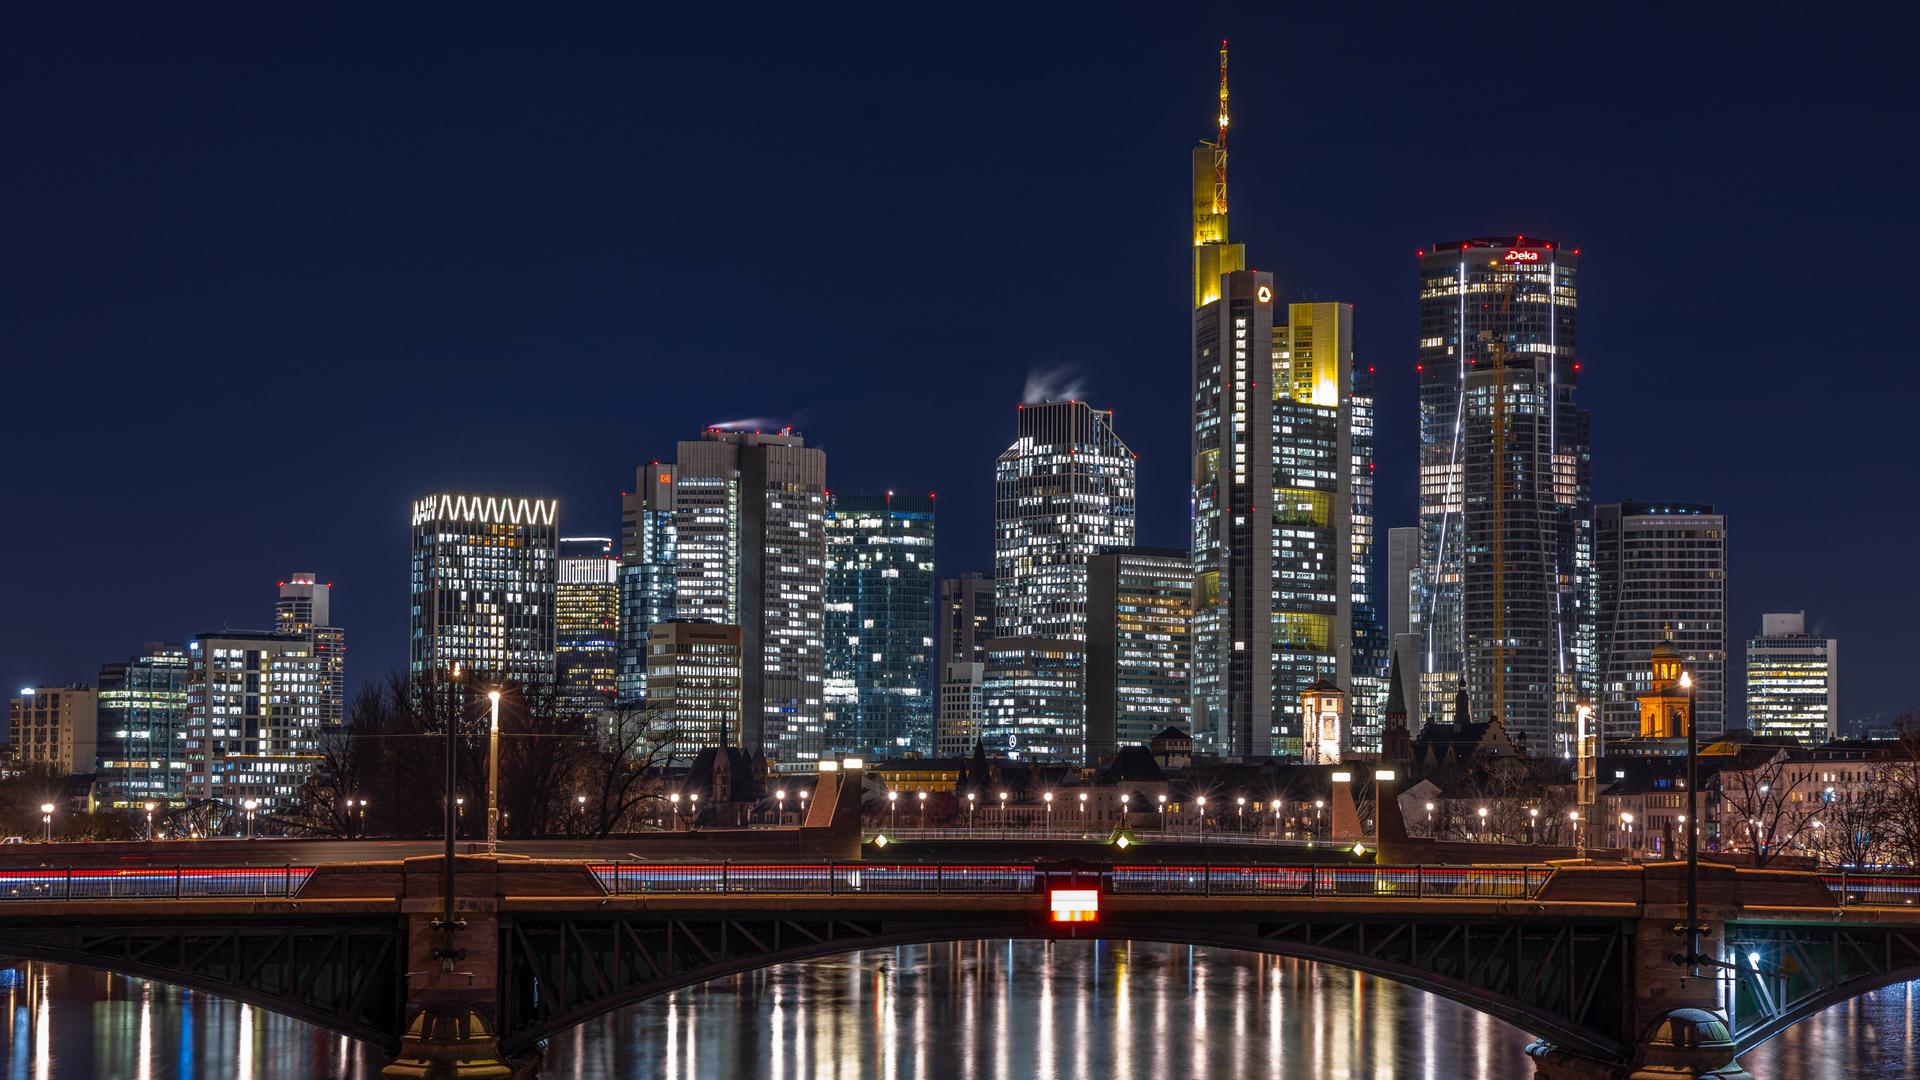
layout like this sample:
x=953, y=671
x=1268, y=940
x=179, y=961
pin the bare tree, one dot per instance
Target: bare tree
x=623, y=776
x=1850, y=829
x=1759, y=808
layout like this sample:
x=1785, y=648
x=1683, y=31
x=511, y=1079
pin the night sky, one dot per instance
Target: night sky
x=267, y=278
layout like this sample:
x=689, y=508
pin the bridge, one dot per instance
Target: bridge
x=1579, y=955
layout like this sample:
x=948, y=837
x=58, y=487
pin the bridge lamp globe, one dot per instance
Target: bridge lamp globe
x=46, y=808
x=893, y=796
x=922, y=796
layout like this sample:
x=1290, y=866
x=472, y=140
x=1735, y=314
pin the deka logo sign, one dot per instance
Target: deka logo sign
x=1520, y=255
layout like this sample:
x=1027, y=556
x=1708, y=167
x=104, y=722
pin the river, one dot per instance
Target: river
x=976, y=1011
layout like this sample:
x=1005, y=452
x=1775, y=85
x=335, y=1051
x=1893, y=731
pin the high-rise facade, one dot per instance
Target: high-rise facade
x=648, y=586
x=142, y=722
x=1062, y=491
x=749, y=550
x=880, y=625
x=586, y=626
x=962, y=706
x=1506, y=513
x=1660, y=578
x=483, y=579
x=1139, y=646
x=305, y=607
x=1403, y=612
x=262, y=704
x=1034, y=707
x=965, y=619
x=695, y=684
x=1793, y=680
x=55, y=729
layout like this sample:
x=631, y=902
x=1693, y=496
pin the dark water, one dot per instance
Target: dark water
x=985, y=1010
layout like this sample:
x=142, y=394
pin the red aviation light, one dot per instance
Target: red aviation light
x=1074, y=905
x=1419, y=367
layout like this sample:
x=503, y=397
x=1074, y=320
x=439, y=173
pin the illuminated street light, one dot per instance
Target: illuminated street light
x=780, y=799
x=922, y=797
x=149, y=821
x=1003, y=811
x=46, y=819
x=893, y=811
x=1483, y=824
x=251, y=805
x=1048, y=799
x=493, y=770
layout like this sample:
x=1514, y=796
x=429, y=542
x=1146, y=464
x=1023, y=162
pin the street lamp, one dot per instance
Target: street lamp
x=1533, y=825
x=1318, y=804
x=893, y=811
x=149, y=821
x=693, y=811
x=46, y=819
x=780, y=799
x=1048, y=799
x=1201, y=801
x=1240, y=813
x=921, y=797
x=1626, y=829
x=1574, y=817
x=251, y=805
x=970, y=798
x=1693, y=847
x=1163, y=813
x=1003, y=811
x=1083, y=813
x=1429, y=819
x=493, y=770
x=1483, y=824
x=674, y=798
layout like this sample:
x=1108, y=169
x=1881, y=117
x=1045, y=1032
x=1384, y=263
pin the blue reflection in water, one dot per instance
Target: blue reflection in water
x=972, y=1010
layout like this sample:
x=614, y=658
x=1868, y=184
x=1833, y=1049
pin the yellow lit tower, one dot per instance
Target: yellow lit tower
x=1663, y=706
x=1212, y=254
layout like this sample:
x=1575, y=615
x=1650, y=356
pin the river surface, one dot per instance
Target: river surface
x=975, y=1010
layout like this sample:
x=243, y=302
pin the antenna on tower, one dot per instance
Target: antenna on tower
x=1220, y=143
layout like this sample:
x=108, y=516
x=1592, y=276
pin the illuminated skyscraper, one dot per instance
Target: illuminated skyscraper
x=142, y=722
x=749, y=550
x=1403, y=608
x=306, y=607
x=880, y=611
x=965, y=619
x=1660, y=574
x=1139, y=646
x=1506, y=514
x=694, y=684
x=484, y=572
x=55, y=729
x=586, y=621
x=1062, y=491
x=648, y=550
x=1793, y=680
x=1035, y=708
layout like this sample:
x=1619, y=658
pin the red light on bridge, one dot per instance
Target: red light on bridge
x=1075, y=905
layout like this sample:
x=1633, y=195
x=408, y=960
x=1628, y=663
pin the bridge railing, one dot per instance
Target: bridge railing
x=151, y=883
x=1878, y=890
x=1409, y=882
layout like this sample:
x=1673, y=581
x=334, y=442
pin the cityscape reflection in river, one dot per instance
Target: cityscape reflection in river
x=980, y=1010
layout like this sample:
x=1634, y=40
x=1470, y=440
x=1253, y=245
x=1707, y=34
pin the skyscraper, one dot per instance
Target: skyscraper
x=1660, y=578
x=749, y=535
x=1505, y=504
x=261, y=704
x=962, y=706
x=142, y=720
x=586, y=626
x=880, y=613
x=1139, y=646
x=1793, y=680
x=306, y=607
x=1403, y=609
x=1062, y=491
x=1282, y=545
x=648, y=552
x=483, y=578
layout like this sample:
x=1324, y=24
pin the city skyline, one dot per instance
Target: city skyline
x=1644, y=368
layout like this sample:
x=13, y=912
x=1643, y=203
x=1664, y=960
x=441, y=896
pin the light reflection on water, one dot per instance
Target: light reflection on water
x=980, y=1010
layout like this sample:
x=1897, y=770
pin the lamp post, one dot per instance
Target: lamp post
x=1083, y=813
x=893, y=810
x=149, y=822
x=1429, y=819
x=1125, y=798
x=1201, y=801
x=675, y=800
x=804, y=793
x=780, y=800
x=1318, y=804
x=1240, y=814
x=1574, y=817
x=1163, y=813
x=363, y=817
x=1003, y=812
x=46, y=820
x=693, y=810
x=970, y=798
x=1483, y=824
x=921, y=798
x=493, y=771
x=1626, y=831
x=1533, y=825
x=1048, y=799
x=251, y=805
x=1693, y=957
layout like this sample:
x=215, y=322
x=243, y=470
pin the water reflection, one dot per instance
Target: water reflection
x=980, y=1010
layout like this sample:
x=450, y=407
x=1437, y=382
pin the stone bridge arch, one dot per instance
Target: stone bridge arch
x=1567, y=982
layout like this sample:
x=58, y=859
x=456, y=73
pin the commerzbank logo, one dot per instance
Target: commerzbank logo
x=486, y=509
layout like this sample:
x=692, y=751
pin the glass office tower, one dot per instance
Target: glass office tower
x=142, y=719
x=483, y=577
x=880, y=625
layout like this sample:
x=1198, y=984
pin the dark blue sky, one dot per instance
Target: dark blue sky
x=267, y=278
